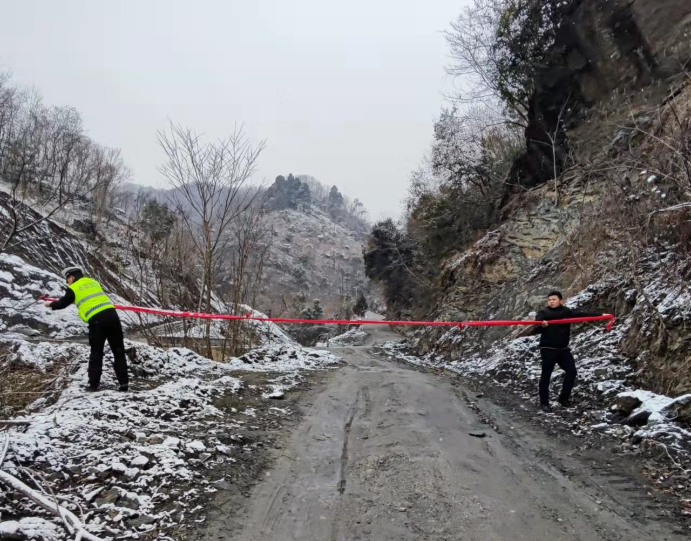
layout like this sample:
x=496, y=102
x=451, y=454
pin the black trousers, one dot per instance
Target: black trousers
x=551, y=358
x=106, y=326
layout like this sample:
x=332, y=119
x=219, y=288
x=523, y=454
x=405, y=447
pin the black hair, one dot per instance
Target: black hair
x=77, y=274
x=555, y=294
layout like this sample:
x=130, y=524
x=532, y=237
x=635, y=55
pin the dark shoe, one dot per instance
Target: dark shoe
x=124, y=388
x=546, y=408
x=565, y=402
x=90, y=389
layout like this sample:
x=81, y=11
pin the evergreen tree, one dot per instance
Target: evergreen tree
x=313, y=312
x=288, y=193
x=335, y=202
x=157, y=219
x=360, y=307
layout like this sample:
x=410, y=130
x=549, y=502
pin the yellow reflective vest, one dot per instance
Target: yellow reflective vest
x=89, y=298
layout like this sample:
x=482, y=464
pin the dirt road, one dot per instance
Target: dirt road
x=386, y=453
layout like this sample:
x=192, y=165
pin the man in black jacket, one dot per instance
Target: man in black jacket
x=554, y=347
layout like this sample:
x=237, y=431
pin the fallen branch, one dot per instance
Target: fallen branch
x=673, y=208
x=74, y=525
x=55, y=499
x=14, y=423
x=5, y=447
x=676, y=464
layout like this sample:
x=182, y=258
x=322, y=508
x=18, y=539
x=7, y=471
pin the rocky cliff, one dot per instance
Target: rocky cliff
x=606, y=53
x=611, y=228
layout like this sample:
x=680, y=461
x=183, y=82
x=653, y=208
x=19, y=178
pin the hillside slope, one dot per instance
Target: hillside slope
x=31, y=267
x=314, y=251
x=314, y=256
x=604, y=228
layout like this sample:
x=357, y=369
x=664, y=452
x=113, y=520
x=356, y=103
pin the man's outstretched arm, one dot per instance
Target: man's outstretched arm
x=63, y=302
x=537, y=329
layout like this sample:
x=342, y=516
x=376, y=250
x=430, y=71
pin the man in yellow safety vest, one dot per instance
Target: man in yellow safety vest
x=100, y=315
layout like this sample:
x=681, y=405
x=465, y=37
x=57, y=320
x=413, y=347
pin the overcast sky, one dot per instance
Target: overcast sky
x=344, y=91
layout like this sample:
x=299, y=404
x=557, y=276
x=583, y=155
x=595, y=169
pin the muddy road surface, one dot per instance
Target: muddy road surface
x=388, y=453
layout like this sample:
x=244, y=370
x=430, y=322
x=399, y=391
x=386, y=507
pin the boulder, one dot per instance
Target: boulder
x=139, y=461
x=639, y=418
x=679, y=409
x=118, y=467
x=129, y=500
x=172, y=442
x=195, y=446
x=625, y=403
x=110, y=496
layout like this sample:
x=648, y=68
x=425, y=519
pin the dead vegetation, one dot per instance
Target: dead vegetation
x=22, y=384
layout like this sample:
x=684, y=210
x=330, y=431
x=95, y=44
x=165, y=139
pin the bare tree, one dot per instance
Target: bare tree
x=209, y=179
x=247, y=252
x=497, y=48
x=471, y=41
x=47, y=162
x=110, y=173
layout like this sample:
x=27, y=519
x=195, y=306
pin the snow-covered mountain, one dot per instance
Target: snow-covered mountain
x=314, y=249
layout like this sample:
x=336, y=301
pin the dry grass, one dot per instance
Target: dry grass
x=21, y=384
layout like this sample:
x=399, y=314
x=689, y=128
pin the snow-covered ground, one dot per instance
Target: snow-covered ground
x=266, y=332
x=130, y=463
x=605, y=390
x=283, y=358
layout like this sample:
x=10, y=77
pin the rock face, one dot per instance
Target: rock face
x=609, y=57
x=603, y=49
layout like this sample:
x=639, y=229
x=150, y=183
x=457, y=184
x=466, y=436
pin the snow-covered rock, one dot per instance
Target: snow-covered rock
x=129, y=440
x=139, y=461
x=286, y=358
x=354, y=337
x=625, y=402
x=654, y=407
x=31, y=528
x=195, y=446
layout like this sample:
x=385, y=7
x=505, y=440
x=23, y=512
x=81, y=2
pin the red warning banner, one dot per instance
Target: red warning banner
x=460, y=324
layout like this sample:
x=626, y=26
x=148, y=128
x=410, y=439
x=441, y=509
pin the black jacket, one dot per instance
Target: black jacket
x=64, y=301
x=557, y=336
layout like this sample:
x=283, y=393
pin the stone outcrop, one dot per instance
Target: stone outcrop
x=604, y=49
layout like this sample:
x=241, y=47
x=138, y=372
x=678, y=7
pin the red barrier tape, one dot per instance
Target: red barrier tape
x=460, y=324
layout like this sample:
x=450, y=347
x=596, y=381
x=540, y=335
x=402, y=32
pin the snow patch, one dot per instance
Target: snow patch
x=354, y=337
x=31, y=528
x=286, y=358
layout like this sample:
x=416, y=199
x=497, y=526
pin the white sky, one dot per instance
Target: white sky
x=344, y=91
